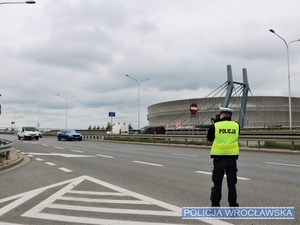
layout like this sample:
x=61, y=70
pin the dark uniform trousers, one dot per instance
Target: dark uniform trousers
x=220, y=166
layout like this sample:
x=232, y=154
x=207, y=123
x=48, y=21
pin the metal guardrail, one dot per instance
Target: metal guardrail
x=188, y=138
x=5, y=146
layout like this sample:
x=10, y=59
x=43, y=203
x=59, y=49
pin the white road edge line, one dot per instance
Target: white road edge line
x=147, y=163
x=209, y=173
x=282, y=164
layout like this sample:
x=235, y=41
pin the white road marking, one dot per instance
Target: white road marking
x=116, y=201
x=65, y=170
x=10, y=224
x=45, y=145
x=209, y=173
x=63, y=155
x=96, y=193
x=37, y=211
x=78, y=151
x=185, y=155
x=59, y=147
x=39, y=159
x=50, y=163
x=106, y=156
x=282, y=164
x=112, y=210
x=147, y=163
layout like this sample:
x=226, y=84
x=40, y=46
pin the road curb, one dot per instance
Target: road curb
x=15, y=159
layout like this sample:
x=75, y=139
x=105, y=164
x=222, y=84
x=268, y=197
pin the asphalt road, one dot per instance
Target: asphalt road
x=137, y=184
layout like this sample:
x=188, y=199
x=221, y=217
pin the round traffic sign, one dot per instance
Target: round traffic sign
x=193, y=108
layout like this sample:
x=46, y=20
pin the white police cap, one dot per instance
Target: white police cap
x=226, y=110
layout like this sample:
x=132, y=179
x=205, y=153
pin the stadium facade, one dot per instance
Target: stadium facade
x=261, y=111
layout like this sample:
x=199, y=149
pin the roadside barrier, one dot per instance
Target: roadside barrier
x=5, y=146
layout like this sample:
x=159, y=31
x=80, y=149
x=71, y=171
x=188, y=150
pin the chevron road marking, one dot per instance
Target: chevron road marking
x=68, y=197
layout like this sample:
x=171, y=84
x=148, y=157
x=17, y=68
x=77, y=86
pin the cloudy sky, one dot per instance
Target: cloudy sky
x=84, y=48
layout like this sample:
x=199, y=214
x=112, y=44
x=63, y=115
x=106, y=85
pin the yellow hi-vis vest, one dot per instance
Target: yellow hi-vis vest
x=226, y=139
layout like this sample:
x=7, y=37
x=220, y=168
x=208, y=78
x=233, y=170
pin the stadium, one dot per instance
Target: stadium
x=261, y=112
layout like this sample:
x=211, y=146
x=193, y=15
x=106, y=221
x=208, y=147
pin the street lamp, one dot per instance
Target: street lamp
x=26, y=2
x=66, y=98
x=289, y=77
x=38, y=121
x=14, y=122
x=138, y=83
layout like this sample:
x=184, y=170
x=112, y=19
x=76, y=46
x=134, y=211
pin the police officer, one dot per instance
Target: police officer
x=224, y=134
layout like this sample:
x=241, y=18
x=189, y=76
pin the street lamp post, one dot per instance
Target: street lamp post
x=14, y=122
x=289, y=77
x=38, y=118
x=66, y=98
x=138, y=83
x=24, y=2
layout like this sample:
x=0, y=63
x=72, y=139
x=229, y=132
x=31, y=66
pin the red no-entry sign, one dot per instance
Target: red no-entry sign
x=193, y=108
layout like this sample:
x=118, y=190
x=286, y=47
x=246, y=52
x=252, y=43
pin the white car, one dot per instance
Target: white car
x=29, y=133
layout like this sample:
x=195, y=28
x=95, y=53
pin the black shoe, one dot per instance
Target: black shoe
x=215, y=205
x=234, y=205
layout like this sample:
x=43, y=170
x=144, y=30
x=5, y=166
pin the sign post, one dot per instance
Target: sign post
x=111, y=115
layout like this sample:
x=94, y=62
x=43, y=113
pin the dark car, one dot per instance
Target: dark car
x=153, y=130
x=69, y=135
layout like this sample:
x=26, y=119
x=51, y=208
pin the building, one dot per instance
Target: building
x=261, y=111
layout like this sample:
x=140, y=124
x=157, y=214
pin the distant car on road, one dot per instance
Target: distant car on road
x=68, y=134
x=28, y=133
x=152, y=130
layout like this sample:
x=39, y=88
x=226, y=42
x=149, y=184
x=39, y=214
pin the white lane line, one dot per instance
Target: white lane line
x=30, y=156
x=147, y=163
x=65, y=170
x=78, y=151
x=50, y=163
x=282, y=164
x=59, y=147
x=45, y=145
x=39, y=159
x=105, y=156
x=209, y=173
x=185, y=155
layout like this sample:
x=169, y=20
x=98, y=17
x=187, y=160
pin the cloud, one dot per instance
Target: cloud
x=85, y=48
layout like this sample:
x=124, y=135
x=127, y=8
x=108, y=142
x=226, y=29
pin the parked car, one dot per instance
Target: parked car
x=68, y=134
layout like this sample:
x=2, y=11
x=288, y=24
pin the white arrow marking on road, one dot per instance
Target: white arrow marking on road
x=63, y=155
